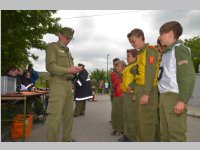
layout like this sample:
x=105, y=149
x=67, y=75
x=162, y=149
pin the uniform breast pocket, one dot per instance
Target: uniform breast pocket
x=62, y=59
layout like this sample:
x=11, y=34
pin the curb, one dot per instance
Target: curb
x=193, y=115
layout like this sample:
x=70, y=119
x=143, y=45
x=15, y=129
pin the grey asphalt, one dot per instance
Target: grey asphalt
x=95, y=126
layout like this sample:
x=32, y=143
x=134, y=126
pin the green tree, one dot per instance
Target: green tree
x=98, y=75
x=22, y=30
x=43, y=80
x=194, y=44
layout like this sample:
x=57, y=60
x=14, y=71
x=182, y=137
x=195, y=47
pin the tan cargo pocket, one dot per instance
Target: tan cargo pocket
x=177, y=123
x=148, y=114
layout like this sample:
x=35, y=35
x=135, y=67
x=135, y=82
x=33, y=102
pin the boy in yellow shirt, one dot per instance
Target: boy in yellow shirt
x=128, y=97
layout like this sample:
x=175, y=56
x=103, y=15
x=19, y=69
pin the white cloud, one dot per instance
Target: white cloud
x=97, y=36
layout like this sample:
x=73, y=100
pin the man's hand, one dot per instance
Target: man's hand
x=33, y=89
x=179, y=107
x=74, y=69
x=144, y=99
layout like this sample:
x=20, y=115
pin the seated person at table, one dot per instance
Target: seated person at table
x=27, y=84
x=34, y=104
x=16, y=73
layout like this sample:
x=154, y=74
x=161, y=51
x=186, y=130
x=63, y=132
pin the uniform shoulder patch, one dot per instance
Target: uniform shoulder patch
x=183, y=62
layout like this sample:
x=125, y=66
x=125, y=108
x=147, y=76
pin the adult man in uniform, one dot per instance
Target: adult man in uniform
x=146, y=86
x=59, y=63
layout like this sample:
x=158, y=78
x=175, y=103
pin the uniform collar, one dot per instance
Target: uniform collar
x=61, y=45
x=114, y=71
x=168, y=48
x=117, y=73
x=80, y=71
x=143, y=48
x=131, y=64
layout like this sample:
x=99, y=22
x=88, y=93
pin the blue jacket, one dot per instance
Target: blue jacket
x=34, y=76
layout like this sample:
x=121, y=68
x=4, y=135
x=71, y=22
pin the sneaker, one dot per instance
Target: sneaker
x=124, y=139
x=71, y=140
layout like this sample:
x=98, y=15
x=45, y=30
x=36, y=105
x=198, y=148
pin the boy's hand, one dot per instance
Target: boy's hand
x=73, y=69
x=144, y=99
x=179, y=107
x=128, y=90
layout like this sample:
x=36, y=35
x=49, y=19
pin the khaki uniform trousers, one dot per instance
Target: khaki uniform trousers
x=129, y=116
x=117, y=114
x=147, y=115
x=60, y=110
x=172, y=126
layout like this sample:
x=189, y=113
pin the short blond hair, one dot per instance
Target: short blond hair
x=122, y=63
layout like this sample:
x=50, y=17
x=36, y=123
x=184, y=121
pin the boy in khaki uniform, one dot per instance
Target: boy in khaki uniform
x=115, y=61
x=146, y=86
x=59, y=63
x=117, y=110
x=128, y=97
x=176, y=83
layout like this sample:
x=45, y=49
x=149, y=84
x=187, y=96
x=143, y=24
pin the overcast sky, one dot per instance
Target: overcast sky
x=105, y=31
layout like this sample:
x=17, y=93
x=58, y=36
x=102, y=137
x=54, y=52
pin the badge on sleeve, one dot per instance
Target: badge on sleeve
x=183, y=62
x=151, y=59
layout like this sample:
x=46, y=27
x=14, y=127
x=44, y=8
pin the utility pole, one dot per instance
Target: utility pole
x=107, y=67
